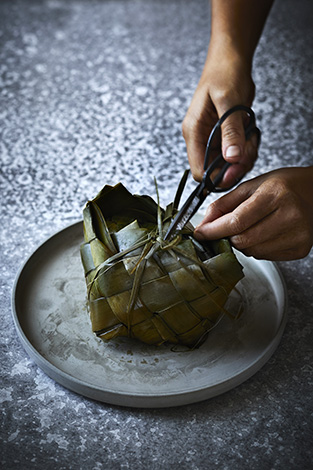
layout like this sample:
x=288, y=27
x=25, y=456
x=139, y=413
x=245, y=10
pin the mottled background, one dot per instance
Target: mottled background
x=94, y=92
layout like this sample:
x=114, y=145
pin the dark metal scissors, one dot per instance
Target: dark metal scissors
x=208, y=185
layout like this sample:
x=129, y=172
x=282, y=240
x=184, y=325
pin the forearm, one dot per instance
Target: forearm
x=236, y=25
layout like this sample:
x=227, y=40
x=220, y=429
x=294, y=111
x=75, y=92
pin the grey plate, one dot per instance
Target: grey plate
x=49, y=310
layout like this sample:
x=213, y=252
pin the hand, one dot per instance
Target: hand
x=226, y=81
x=269, y=217
x=236, y=26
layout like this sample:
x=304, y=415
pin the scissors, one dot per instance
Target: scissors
x=208, y=185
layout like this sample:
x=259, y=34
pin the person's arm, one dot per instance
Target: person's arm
x=236, y=26
x=268, y=217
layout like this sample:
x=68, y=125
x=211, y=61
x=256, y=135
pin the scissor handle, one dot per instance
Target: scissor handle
x=208, y=169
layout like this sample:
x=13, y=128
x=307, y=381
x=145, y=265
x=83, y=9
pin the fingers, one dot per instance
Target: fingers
x=236, y=212
x=229, y=201
x=252, y=232
x=269, y=217
x=274, y=249
x=233, y=136
x=237, y=170
x=264, y=238
x=277, y=237
x=218, y=224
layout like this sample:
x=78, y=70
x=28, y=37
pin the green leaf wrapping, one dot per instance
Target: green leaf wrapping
x=140, y=286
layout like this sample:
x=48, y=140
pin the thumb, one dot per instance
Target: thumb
x=233, y=137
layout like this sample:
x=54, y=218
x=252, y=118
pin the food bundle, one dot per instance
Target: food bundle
x=144, y=287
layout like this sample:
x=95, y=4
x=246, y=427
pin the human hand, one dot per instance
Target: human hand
x=268, y=217
x=226, y=81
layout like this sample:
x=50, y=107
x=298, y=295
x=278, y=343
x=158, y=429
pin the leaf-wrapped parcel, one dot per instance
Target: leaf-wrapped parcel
x=140, y=286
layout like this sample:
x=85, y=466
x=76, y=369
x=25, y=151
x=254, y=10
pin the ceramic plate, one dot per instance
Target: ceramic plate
x=50, y=314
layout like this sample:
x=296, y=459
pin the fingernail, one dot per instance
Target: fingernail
x=233, y=151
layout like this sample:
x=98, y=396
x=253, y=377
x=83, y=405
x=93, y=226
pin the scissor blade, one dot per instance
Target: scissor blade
x=188, y=210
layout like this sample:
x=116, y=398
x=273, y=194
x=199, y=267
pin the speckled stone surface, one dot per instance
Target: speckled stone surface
x=94, y=92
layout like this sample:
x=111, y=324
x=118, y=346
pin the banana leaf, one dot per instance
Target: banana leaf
x=143, y=287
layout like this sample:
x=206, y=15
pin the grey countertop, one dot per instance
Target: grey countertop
x=93, y=93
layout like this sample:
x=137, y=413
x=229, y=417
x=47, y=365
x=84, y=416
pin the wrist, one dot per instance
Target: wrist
x=224, y=50
x=228, y=76
x=237, y=25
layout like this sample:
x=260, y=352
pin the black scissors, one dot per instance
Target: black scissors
x=207, y=185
